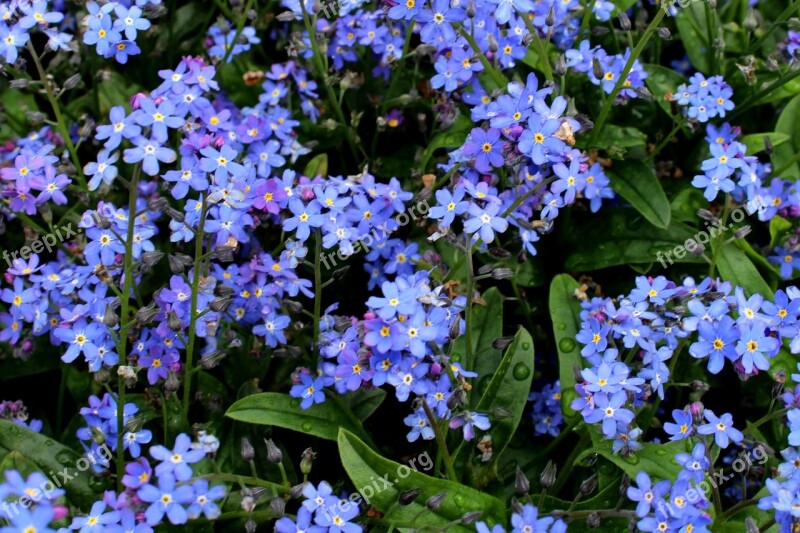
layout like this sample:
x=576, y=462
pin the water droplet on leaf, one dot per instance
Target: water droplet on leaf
x=521, y=371
x=566, y=344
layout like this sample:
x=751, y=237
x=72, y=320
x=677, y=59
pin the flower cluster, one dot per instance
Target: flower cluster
x=112, y=28
x=720, y=323
x=322, y=511
x=704, y=99
x=225, y=41
x=18, y=413
x=604, y=69
x=102, y=428
x=546, y=413
x=43, y=507
x=526, y=518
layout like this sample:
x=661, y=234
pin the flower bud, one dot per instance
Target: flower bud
x=550, y=19
x=178, y=263
x=548, y=477
x=110, y=318
x=408, y=496
x=102, y=376
x=457, y=399
x=502, y=273
x=146, y=314
x=597, y=69
x=589, y=485
x=624, y=21
x=750, y=20
x=340, y=272
x=174, y=323
x=664, y=33
x=248, y=452
x=501, y=413
x=274, y=454
x=435, y=501
x=470, y=517
x=521, y=483
x=501, y=343
x=297, y=491
x=72, y=82
x=560, y=67
x=172, y=382
x=219, y=305
x=593, y=520
x=307, y=461
x=277, y=506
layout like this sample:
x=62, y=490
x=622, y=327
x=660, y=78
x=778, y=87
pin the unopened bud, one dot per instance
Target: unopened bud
x=151, y=259
x=664, y=33
x=297, y=491
x=340, y=272
x=550, y=19
x=599, y=31
x=624, y=21
x=277, y=506
x=172, y=382
x=219, y=305
x=699, y=386
x=470, y=517
x=499, y=253
x=471, y=9
x=435, y=501
x=742, y=232
x=457, y=399
x=248, y=452
x=251, y=525
x=174, y=322
x=110, y=318
x=589, y=485
x=102, y=376
x=146, y=314
x=493, y=46
x=307, y=461
x=455, y=329
x=408, y=496
x=502, y=273
x=750, y=525
x=501, y=413
x=593, y=520
x=501, y=343
x=597, y=69
x=750, y=21
x=560, y=67
x=548, y=477
x=223, y=253
x=521, y=483
x=274, y=454
x=178, y=263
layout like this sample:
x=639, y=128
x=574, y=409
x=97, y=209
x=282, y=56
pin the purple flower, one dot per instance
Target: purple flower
x=470, y=421
x=486, y=147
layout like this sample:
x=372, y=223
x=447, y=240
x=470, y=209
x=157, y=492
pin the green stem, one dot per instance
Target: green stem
x=498, y=78
x=788, y=12
x=760, y=95
x=239, y=29
x=540, y=49
x=766, y=418
x=245, y=480
x=60, y=122
x=651, y=28
x=712, y=52
x=322, y=72
x=123, y=331
x=665, y=141
x=468, y=313
x=719, y=240
x=198, y=257
x=317, y=291
x=448, y=461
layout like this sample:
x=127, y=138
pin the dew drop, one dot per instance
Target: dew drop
x=306, y=426
x=521, y=371
x=526, y=346
x=65, y=458
x=561, y=326
x=459, y=499
x=661, y=451
x=632, y=459
x=295, y=403
x=566, y=344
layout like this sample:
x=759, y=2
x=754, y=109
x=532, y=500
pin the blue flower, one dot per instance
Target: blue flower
x=469, y=421
x=122, y=50
x=98, y=520
x=682, y=427
x=721, y=427
x=646, y=494
x=694, y=464
x=753, y=345
x=176, y=461
x=716, y=342
x=309, y=389
x=485, y=221
x=167, y=499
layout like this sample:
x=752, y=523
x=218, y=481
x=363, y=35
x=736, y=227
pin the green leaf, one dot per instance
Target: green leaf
x=366, y=469
x=452, y=138
x=508, y=390
x=275, y=409
x=778, y=226
x=51, y=456
x=621, y=237
x=755, y=141
x=618, y=138
x=487, y=325
x=788, y=125
x=654, y=459
x=691, y=23
x=318, y=166
x=565, y=312
x=685, y=204
x=734, y=266
x=663, y=81
x=364, y=402
x=637, y=182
